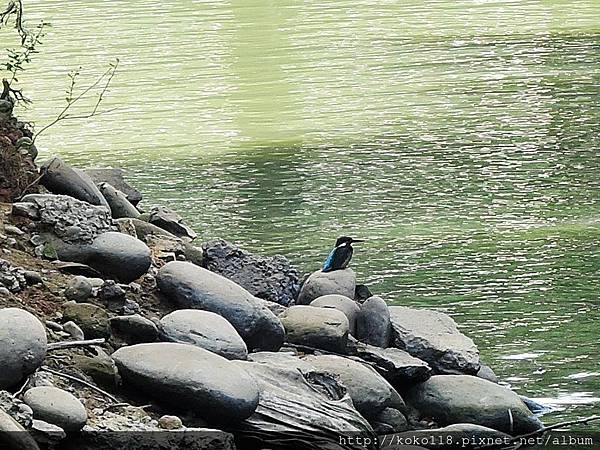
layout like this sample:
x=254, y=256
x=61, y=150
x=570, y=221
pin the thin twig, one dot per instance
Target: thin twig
x=71, y=344
x=107, y=77
x=79, y=380
x=30, y=185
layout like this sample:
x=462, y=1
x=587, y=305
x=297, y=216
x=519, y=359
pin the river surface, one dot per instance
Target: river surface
x=461, y=138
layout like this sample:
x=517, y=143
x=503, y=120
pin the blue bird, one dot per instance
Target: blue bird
x=340, y=256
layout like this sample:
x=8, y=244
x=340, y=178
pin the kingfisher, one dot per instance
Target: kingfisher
x=340, y=256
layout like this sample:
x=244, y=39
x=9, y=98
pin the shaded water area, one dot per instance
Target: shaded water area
x=459, y=137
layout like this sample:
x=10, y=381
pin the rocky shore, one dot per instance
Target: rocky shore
x=119, y=330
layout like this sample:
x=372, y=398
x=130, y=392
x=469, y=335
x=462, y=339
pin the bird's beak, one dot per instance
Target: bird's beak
x=357, y=240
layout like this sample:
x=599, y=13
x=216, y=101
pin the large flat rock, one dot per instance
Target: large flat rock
x=434, y=337
x=189, y=377
x=193, y=287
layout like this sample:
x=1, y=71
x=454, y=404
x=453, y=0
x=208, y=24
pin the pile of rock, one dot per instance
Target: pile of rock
x=215, y=338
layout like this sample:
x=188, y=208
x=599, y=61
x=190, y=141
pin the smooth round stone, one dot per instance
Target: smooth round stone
x=190, y=378
x=23, y=345
x=56, y=406
x=342, y=303
x=204, y=329
x=373, y=323
x=341, y=282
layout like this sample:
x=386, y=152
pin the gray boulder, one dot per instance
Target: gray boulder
x=369, y=391
x=60, y=178
x=342, y=303
x=373, y=324
x=119, y=205
x=203, y=329
x=434, y=337
x=193, y=287
x=13, y=436
x=92, y=319
x=171, y=221
x=57, y=407
x=114, y=255
x=270, y=278
x=341, y=282
x=23, y=345
x=395, y=365
x=115, y=177
x=134, y=329
x=322, y=328
x=190, y=377
x=453, y=399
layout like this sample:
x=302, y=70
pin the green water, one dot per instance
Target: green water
x=459, y=137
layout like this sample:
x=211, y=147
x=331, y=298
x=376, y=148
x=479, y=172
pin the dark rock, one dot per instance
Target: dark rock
x=434, y=337
x=172, y=222
x=199, y=380
x=373, y=324
x=113, y=295
x=342, y=303
x=60, y=178
x=341, y=282
x=270, y=278
x=362, y=293
x=32, y=277
x=92, y=319
x=453, y=399
x=119, y=205
x=134, y=329
x=79, y=289
x=322, y=328
x=390, y=420
x=203, y=329
x=100, y=368
x=487, y=373
x=395, y=365
x=453, y=437
x=298, y=400
x=115, y=178
x=193, y=287
x=57, y=407
x=13, y=436
x=369, y=391
x=114, y=255
x=23, y=345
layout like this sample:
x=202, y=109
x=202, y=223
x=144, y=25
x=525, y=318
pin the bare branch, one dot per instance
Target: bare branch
x=79, y=380
x=103, y=80
x=72, y=344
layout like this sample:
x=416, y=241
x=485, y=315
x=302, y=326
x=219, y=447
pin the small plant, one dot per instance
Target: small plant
x=18, y=57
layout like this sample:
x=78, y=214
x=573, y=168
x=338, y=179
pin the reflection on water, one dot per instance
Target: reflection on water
x=459, y=137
